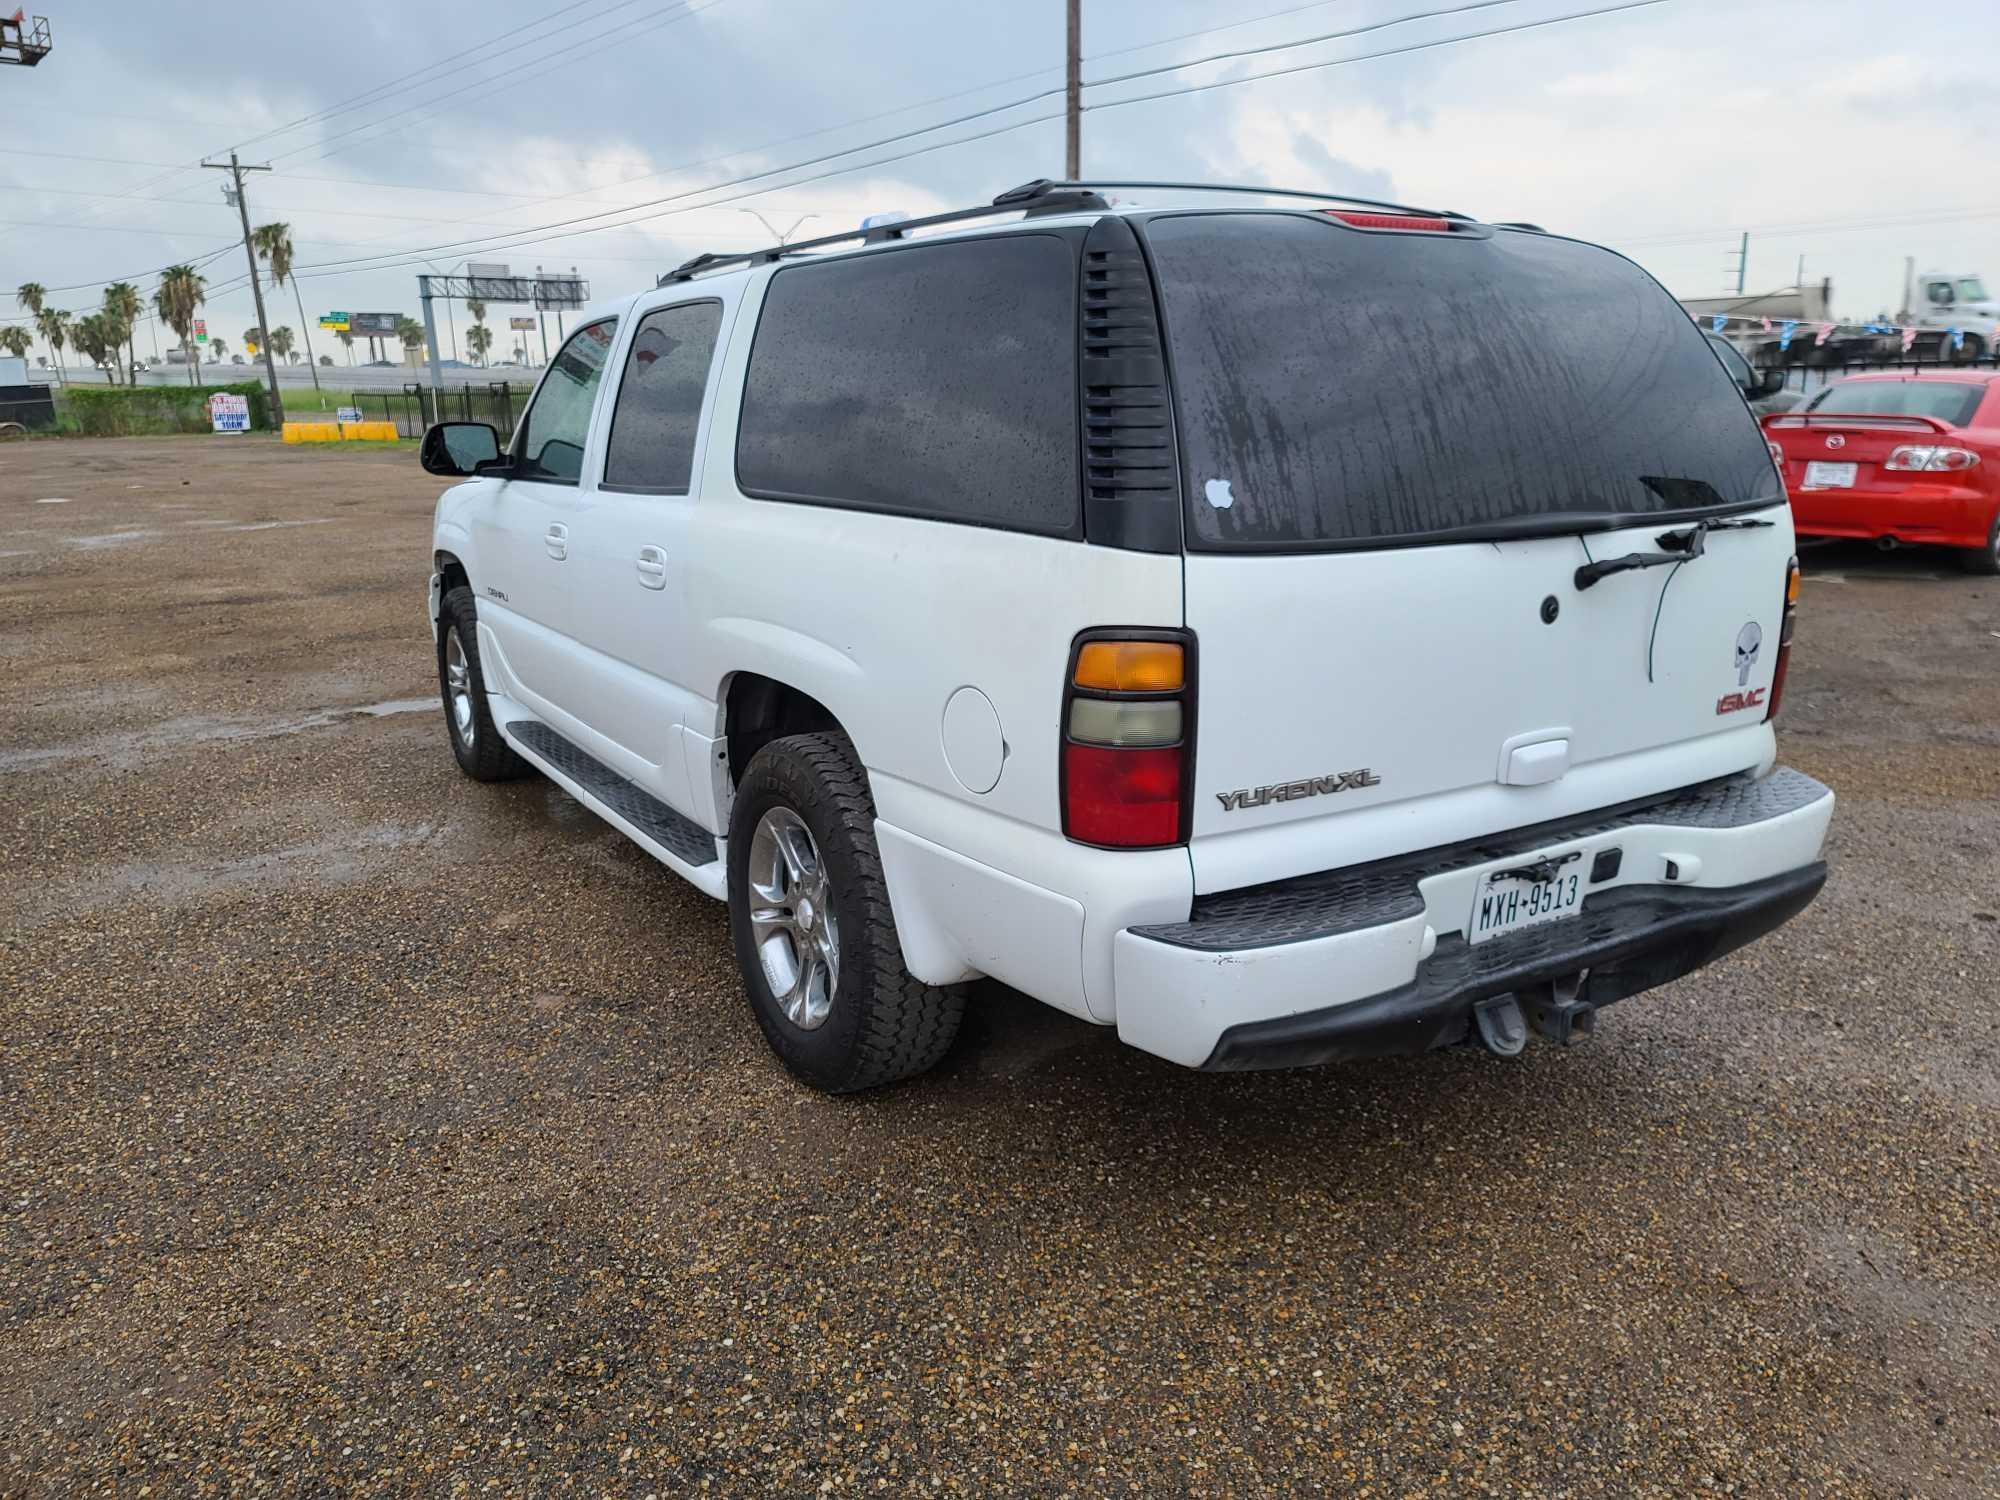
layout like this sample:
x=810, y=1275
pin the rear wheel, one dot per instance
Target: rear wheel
x=814, y=935
x=1984, y=560
x=475, y=741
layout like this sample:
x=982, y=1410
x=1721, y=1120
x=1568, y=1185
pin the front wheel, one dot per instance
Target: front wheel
x=475, y=741
x=815, y=938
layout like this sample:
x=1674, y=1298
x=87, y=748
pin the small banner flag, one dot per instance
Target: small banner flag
x=1909, y=338
x=1717, y=323
x=1766, y=322
x=1957, y=337
x=1825, y=333
x=1785, y=331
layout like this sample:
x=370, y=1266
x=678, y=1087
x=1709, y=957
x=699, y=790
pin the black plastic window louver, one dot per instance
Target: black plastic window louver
x=1131, y=472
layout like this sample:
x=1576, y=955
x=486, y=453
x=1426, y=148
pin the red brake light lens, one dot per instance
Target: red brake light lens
x=1130, y=799
x=1128, y=717
x=1387, y=221
x=1930, y=458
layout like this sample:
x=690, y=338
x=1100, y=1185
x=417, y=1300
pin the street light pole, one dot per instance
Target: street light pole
x=236, y=170
x=1073, y=94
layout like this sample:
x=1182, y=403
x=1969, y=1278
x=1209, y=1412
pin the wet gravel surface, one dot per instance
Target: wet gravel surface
x=364, y=1130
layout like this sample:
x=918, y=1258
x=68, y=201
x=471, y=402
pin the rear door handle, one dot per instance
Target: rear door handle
x=653, y=567
x=557, y=541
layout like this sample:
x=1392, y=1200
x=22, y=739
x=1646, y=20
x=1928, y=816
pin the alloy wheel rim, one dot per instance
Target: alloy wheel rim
x=792, y=921
x=458, y=688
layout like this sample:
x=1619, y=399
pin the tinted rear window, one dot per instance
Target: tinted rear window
x=1337, y=388
x=938, y=381
x=1952, y=401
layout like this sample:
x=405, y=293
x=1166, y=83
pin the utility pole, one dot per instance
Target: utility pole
x=1742, y=263
x=1073, y=107
x=236, y=169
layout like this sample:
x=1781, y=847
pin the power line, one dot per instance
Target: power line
x=479, y=243
x=1449, y=41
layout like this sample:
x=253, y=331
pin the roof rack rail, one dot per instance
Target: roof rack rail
x=1060, y=200
x=1027, y=192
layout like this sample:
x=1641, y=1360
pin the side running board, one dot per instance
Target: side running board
x=677, y=833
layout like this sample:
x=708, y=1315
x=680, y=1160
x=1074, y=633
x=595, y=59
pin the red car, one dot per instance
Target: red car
x=1898, y=457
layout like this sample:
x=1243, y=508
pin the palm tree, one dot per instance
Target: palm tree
x=346, y=342
x=410, y=334
x=253, y=339
x=32, y=296
x=99, y=338
x=478, y=339
x=180, y=295
x=281, y=343
x=123, y=302
x=274, y=243
x=477, y=311
x=15, y=340
x=53, y=325
x=218, y=349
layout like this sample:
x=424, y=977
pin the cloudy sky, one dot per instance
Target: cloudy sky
x=1849, y=132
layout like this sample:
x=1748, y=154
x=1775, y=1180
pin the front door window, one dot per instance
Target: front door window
x=558, y=423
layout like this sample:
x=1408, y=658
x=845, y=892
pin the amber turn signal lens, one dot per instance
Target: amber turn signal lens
x=1792, y=582
x=1131, y=666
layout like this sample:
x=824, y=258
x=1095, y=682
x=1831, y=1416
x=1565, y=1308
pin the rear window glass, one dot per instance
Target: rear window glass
x=1952, y=401
x=1336, y=388
x=938, y=380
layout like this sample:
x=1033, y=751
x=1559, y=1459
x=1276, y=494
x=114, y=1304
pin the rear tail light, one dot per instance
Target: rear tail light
x=1792, y=581
x=1128, y=712
x=1927, y=458
x=1387, y=221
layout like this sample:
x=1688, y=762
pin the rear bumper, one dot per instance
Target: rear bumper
x=1934, y=512
x=1372, y=961
x=1628, y=941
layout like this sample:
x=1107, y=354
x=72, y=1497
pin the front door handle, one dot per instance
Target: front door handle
x=653, y=567
x=557, y=541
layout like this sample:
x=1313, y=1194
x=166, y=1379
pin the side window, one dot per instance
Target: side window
x=1940, y=293
x=659, y=399
x=557, y=424
x=936, y=380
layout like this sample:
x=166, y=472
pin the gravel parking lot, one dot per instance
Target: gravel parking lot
x=367, y=1130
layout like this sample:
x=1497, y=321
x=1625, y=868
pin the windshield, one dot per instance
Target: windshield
x=1971, y=289
x=1952, y=401
x=1336, y=388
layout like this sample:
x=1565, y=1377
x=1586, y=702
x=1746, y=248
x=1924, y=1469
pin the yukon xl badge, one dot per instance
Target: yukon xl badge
x=1286, y=791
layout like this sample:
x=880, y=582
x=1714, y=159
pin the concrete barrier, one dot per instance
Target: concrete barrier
x=336, y=432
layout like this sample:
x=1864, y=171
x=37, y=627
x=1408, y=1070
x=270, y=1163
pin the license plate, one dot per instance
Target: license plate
x=1505, y=903
x=1821, y=476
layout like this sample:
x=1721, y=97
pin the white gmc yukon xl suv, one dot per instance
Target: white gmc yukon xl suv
x=1280, y=627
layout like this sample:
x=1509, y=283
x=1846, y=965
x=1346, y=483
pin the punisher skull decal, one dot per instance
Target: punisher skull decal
x=1749, y=640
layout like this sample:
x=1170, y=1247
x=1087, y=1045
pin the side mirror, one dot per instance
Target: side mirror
x=459, y=449
x=1771, y=382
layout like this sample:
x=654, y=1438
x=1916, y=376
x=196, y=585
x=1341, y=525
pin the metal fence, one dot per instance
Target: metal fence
x=415, y=407
x=1817, y=369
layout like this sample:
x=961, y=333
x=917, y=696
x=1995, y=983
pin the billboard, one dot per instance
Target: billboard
x=490, y=281
x=560, y=293
x=521, y=325
x=372, y=325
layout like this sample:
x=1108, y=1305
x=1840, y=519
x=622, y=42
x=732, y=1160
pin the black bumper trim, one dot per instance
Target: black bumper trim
x=1630, y=939
x=1371, y=895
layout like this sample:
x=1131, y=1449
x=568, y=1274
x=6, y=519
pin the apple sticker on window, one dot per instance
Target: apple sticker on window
x=1217, y=491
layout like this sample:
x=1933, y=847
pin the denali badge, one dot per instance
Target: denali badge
x=1286, y=791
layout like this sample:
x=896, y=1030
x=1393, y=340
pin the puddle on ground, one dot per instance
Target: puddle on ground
x=58, y=500
x=337, y=860
x=129, y=750
x=225, y=524
x=111, y=539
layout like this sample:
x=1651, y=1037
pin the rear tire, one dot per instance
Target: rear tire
x=1984, y=560
x=475, y=739
x=815, y=938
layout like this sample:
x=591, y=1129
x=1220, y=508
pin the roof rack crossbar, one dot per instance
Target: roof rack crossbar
x=1027, y=192
x=1081, y=200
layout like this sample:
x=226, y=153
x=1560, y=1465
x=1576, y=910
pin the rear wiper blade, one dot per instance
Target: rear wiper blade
x=1688, y=539
x=1684, y=545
